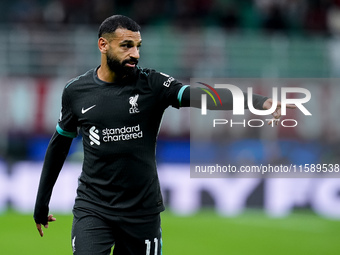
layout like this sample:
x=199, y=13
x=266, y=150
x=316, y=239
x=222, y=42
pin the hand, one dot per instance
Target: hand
x=277, y=113
x=50, y=219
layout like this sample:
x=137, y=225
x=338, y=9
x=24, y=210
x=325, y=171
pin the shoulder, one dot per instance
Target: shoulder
x=81, y=79
x=155, y=77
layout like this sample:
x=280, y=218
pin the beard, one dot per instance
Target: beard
x=120, y=69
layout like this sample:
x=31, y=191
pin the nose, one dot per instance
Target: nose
x=134, y=52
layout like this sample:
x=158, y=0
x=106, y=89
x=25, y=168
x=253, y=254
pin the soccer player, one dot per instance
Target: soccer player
x=117, y=108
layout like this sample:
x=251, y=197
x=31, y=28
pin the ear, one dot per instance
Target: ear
x=103, y=45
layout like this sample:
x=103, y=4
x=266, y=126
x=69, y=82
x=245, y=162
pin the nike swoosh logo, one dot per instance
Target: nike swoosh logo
x=87, y=109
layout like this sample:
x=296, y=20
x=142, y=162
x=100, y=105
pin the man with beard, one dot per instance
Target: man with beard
x=117, y=108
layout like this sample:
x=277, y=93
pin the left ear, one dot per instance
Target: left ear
x=103, y=45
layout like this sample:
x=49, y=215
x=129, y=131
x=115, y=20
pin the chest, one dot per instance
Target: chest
x=115, y=106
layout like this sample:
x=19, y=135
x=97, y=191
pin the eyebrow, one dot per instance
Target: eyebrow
x=130, y=41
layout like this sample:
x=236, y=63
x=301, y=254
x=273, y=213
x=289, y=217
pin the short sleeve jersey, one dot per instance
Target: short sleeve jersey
x=119, y=124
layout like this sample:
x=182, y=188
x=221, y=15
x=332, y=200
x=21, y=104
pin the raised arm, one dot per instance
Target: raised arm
x=192, y=97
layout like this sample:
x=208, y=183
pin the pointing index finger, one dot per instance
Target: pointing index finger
x=291, y=106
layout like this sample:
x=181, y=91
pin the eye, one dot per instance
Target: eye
x=129, y=45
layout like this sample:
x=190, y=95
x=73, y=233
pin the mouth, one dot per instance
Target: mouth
x=131, y=63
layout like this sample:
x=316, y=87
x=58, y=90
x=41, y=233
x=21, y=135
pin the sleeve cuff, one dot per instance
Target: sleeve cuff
x=180, y=94
x=66, y=133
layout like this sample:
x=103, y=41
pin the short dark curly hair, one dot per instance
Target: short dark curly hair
x=110, y=25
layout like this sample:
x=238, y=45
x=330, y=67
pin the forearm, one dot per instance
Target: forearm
x=56, y=153
x=192, y=98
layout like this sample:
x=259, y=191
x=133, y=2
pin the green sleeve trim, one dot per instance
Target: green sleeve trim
x=180, y=94
x=65, y=133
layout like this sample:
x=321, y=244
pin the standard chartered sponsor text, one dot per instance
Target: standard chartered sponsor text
x=121, y=134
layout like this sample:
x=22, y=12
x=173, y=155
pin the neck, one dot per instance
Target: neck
x=105, y=74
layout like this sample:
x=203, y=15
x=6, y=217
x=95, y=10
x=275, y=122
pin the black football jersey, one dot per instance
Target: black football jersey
x=119, y=124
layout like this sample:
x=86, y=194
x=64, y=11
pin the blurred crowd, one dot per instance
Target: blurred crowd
x=321, y=17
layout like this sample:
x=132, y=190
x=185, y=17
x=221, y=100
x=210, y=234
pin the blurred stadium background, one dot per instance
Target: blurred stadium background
x=44, y=43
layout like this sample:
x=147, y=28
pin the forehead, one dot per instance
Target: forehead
x=122, y=34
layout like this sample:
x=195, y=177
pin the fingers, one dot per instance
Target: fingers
x=40, y=230
x=51, y=218
x=291, y=106
x=267, y=104
x=272, y=121
x=277, y=113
